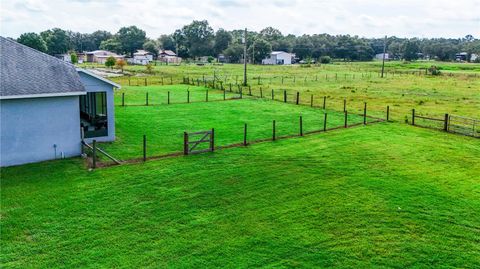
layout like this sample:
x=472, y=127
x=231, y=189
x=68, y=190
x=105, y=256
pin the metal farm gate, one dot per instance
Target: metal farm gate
x=192, y=147
x=464, y=125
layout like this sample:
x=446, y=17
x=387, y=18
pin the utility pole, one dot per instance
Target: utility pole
x=384, y=51
x=245, y=58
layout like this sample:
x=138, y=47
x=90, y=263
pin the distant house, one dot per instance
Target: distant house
x=278, y=57
x=100, y=56
x=64, y=57
x=141, y=57
x=379, y=56
x=473, y=57
x=168, y=56
x=461, y=57
x=47, y=106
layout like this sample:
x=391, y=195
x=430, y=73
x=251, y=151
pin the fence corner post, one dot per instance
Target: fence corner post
x=388, y=113
x=245, y=135
x=413, y=116
x=144, y=148
x=185, y=143
x=212, y=140
x=445, y=127
x=94, y=154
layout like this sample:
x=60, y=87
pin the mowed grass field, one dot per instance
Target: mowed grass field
x=457, y=91
x=164, y=125
x=382, y=195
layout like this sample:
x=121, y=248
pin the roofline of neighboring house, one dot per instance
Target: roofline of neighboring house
x=99, y=77
x=59, y=94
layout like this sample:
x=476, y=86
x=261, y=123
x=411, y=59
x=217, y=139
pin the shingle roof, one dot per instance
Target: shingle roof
x=26, y=72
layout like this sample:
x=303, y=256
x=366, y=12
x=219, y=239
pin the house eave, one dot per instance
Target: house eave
x=41, y=95
x=99, y=78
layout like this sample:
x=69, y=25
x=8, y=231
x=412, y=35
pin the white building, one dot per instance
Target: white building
x=278, y=57
x=379, y=56
x=141, y=57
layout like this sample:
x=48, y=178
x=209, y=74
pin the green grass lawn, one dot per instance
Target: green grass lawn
x=164, y=125
x=384, y=195
x=355, y=82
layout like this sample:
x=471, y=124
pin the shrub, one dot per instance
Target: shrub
x=210, y=59
x=110, y=62
x=434, y=71
x=121, y=64
x=73, y=58
x=325, y=59
x=149, y=68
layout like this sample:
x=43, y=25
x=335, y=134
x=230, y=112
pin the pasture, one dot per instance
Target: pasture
x=384, y=194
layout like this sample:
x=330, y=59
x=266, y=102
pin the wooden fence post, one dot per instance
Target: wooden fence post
x=145, y=81
x=162, y=80
x=146, y=99
x=144, y=148
x=298, y=97
x=224, y=93
x=413, y=116
x=230, y=86
x=324, y=102
x=212, y=140
x=261, y=92
x=249, y=90
x=188, y=96
x=245, y=135
x=301, y=126
x=123, y=99
x=346, y=119
x=185, y=143
x=171, y=81
x=284, y=96
x=445, y=125
x=241, y=93
x=206, y=96
x=273, y=96
x=365, y=113
x=128, y=81
x=388, y=113
x=344, y=105
x=168, y=97
x=311, y=100
x=94, y=153
x=273, y=133
x=325, y=122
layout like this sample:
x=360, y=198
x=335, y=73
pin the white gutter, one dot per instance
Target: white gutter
x=23, y=96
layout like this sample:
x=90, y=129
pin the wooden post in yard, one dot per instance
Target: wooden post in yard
x=311, y=100
x=212, y=140
x=94, y=154
x=284, y=96
x=168, y=97
x=144, y=148
x=206, y=96
x=145, y=81
x=188, y=96
x=162, y=80
x=344, y=105
x=171, y=81
x=146, y=99
x=241, y=93
x=325, y=122
x=388, y=113
x=445, y=125
x=301, y=126
x=245, y=135
x=123, y=99
x=224, y=93
x=261, y=92
x=185, y=143
x=413, y=116
x=298, y=97
x=249, y=90
x=273, y=96
x=365, y=114
x=273, y=133
x=324, y=102
x=346, y=119
x=230, y=86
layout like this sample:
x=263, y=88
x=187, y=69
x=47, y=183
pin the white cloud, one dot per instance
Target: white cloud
x=427, y=18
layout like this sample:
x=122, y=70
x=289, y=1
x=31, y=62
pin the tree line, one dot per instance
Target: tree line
x=198, y=39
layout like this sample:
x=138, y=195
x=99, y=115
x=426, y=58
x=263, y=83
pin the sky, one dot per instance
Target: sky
x=366, y=18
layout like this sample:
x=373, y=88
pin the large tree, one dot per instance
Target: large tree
x=33, y=40
x=222, y=40
x=131, y=39
x=152, y=47
x=111, y=44
x=166, y=42
x=57, y=41
x=197, y=37
x=260, y=49
x=234, y=52
x=410, y=50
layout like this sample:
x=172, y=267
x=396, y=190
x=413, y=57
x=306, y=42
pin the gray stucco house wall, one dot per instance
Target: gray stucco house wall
x=38, y=129
x=94, y=83
x=41, y=112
